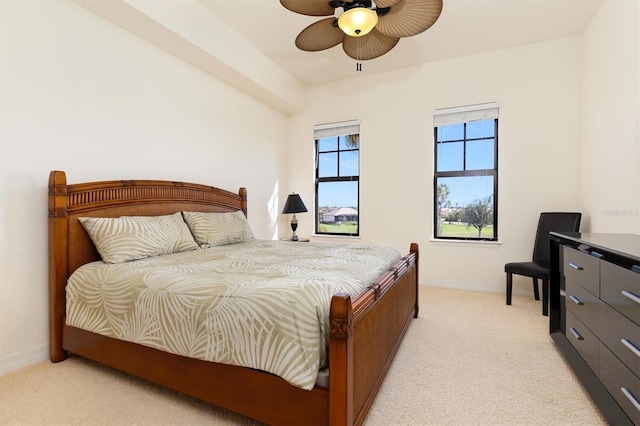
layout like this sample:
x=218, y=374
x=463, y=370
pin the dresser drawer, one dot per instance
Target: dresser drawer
x=621, y=290
x=621, y=336
x=585, y=342
x=621, y=383
x=584, y=305
x=582, y=268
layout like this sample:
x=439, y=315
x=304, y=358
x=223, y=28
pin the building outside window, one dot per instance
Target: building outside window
x=337, y=178
x=466, y=173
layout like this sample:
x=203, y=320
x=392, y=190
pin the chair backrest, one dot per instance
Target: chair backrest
x=556, y=222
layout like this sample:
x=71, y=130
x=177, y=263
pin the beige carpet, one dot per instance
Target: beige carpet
x=468, y=360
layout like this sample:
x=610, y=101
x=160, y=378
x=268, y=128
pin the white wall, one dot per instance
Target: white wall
x=82, y=95
x=610, y=150
x=538, y=88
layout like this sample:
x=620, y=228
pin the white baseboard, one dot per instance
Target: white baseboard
x=18, y=360
x=468, y=286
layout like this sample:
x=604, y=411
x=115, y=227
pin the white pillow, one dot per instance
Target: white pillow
x=126, y=238
x=218, y=229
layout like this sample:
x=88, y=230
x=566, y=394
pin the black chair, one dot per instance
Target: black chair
x=539, y=267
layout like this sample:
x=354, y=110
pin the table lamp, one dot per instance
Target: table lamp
x=294, y=205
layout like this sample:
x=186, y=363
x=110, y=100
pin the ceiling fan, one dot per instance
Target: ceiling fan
x=367, y=29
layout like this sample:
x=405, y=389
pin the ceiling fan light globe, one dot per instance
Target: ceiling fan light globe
x=358, y=21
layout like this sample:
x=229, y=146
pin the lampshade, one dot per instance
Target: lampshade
x=294, y=204
x=358, y=21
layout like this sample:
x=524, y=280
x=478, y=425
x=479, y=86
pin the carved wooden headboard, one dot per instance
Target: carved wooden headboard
x=70, y=246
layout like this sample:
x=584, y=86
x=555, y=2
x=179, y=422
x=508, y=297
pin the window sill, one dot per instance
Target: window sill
x=341, y=237
x=466, y=243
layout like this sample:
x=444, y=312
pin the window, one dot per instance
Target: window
x=337, y=178
x=466, y=173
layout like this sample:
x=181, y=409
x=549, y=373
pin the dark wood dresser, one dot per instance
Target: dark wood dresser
x=594, y=316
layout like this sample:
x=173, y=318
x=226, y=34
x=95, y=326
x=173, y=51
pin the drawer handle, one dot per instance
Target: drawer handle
x=576, y=266
x=596, y=254
x=633, y=348
x=576, y=334
x=631, y=397
x=576, y=300
x=629, y=295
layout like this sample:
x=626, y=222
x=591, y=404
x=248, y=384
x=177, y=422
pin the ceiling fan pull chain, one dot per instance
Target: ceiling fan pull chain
x=358, y=64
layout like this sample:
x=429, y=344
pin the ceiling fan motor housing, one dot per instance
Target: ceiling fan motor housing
x=346, y=5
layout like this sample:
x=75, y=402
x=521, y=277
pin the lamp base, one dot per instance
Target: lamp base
x=294, y=226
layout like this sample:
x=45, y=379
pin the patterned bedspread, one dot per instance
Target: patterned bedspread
x=259, y=304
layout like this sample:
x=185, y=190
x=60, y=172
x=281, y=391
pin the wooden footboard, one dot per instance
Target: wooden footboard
x=365, y=336
x=365, y=332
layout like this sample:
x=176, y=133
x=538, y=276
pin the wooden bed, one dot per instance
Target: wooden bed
x=365, y=332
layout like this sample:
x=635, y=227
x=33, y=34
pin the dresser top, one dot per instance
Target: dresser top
x=611, y=246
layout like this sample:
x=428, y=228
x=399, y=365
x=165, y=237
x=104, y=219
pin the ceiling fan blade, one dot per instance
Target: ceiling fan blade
x=409, y=17
x=386, y=3
x=369, y=46
x=309, y=7
x=320, y=35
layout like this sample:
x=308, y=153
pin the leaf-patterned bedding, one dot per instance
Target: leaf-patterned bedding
x=259, y=304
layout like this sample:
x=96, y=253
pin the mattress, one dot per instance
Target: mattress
x=258, y=304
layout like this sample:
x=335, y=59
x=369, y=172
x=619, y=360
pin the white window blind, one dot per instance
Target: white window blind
x=336, y=129
x=464, y=114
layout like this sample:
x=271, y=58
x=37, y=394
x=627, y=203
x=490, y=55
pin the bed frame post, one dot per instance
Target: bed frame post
x=57, y=262
x=341, y=361
x=243, y=194
x=415, y=250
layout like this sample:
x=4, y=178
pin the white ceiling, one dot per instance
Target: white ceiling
x=249, y=44
x=464, y=27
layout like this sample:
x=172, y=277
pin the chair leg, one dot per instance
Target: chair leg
x=509, y=287
x=545, y=297
x=536, y=292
